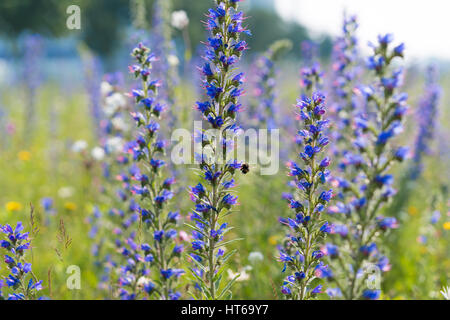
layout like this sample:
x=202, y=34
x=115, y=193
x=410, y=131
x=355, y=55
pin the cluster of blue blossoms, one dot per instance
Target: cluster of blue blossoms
x=121, y=216
x=301, y=253
x=346, y=70
x=265, y=84
x=21, y=280
x=214, y=197
x=364, y=183
x=427, y=115
x=150, y=269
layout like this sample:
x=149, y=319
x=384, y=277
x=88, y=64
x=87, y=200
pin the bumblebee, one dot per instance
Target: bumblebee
x=245, y=168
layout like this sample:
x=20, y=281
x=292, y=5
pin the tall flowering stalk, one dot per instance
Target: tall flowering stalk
x=32, y=75
x=345, y=69
x=357, y=250
x=214, y=198
x=115, y=225
x=138, y=12
x=92, y=72
x=21, y=280
x=154, y=191
x=309, y=51
x=265, y=83
x=427, y=119
x=427, y=115
x=311, y=81
x=301, y=254
x=167, y=68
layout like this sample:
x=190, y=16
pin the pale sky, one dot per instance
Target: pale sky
x=424, y=25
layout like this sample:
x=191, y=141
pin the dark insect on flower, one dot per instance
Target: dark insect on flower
x=245, y=168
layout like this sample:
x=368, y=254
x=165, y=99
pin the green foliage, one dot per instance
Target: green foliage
x=103, y=22
x=42, y=16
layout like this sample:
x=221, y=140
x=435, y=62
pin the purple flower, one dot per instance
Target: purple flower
x=326, y=196
x=229, y=200
x=371, y=294
x=19, y=269
x=401, y=153
x=326, y=228
x=385, y=39
x=198, y=245
x=286, y=290
x=325, y=162
x=317, y=289
x=330, y=250
x=385, y=180
x=427, y=117
x=178, y=249
x=317, y=254
x=387, y=223
x=158, y=235
x=163, y=197
x=212, y=197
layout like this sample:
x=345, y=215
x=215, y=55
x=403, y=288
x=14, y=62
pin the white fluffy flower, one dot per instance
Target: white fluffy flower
x=98, y=153
x=114, y=145
x=241, y=276
x=65, y=192
x=114, y=102
x=255, y=257
x=173, y=60
x=119, y=124
x=142, y=281
x=105, y=88
x=180, y=19
x=79, y=146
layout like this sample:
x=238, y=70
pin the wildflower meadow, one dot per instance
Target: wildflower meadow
x=216, y=150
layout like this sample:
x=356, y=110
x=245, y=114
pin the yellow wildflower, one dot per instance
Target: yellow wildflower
x=13, y=206
x=447, y=225
x=273, y=240
x=412, y=210
x=70, y=206
x=24, y=155
x=423, y=250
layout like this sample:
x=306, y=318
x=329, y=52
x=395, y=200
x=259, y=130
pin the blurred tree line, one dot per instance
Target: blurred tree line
x=104, y=23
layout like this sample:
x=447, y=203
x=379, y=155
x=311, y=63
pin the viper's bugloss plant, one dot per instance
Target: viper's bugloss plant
x=92, y=72
x=21, y=281
x=311, y=79
x=115, y=218
x=32, y=76
x=427, y=112
x=427, y=115
x=152, y=258
x=265, y=84
x=366, y=185
x=301, y=254
x=309, y=51
x=345, y=69
x=166, y=70
x=214, y=197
